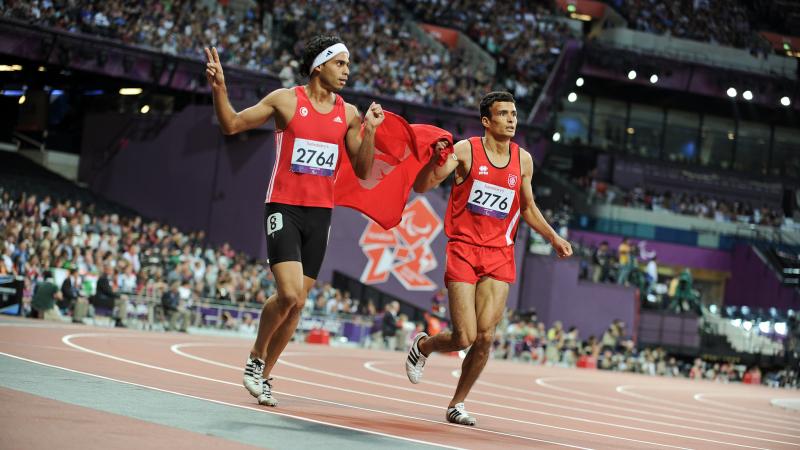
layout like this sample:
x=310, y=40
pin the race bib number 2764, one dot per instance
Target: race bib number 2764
x=314, y=157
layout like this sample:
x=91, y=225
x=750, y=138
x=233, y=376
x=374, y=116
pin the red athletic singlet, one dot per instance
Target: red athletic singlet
x=484, y=209
x=308, y=154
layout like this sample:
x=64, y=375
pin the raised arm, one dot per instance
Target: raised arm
x=230, y=121
x=433, y=174
x=361, y=149
x=531, y=213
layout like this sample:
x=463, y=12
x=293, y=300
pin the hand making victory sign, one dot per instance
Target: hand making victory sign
x=214, y=74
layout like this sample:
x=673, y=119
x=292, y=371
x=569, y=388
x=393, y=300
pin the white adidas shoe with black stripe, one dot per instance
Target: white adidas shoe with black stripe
x=266, y=397
x=458, y=415
x=415, y=362
x=254, y=376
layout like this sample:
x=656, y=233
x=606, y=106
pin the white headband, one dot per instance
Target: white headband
x=328, y=54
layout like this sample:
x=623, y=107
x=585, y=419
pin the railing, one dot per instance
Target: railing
x=147, y=313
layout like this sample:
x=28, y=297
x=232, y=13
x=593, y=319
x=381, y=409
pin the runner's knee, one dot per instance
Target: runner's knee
x=463, y=339
x=483, y=340
x=291, y=300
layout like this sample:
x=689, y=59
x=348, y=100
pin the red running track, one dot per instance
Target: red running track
x=517, y=405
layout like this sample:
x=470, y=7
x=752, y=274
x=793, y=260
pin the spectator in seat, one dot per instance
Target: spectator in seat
x=390, y=325
x=105, y=297
x=174, y=308
x=44, y=299
x=601, y=263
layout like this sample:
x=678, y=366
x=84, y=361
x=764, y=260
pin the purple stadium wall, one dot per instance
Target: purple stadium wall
x=754, y=284
x=551, y=287
x=669, y=254
x=190, y=176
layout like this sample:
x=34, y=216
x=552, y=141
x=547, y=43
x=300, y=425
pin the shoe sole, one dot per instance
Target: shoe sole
x=272, y=403
x=254, y=394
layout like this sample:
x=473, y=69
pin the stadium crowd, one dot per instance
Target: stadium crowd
x=689, y=204
x=527, y=48
x=387, y=59
x=722, y=22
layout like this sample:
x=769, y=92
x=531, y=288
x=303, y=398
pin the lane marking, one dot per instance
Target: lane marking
x=626, y=390
x=370, y=365
x=219, y=402
x=67, y=340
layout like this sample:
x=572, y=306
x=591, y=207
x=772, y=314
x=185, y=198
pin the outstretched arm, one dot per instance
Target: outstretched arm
x=531, y=213
x=230, y=121
x=361, y=149
x=433, y=173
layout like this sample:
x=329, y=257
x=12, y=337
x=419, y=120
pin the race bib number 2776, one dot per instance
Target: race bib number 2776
x=490, y=200
x=314, y=157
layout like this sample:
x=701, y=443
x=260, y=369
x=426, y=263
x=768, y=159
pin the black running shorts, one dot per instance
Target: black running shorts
x=297, y=233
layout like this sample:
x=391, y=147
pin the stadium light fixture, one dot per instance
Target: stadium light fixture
x=653, y=79
x=556, y=136
x=579, y=82
x=731, y=92
x=145, y=109
x=747, y=95
x=763, y=327
x=42, y=69
x=731, y=136
x=630, y=130
x=572, y=97
x=632, y=75
x=785, y=101
x=571, y=8
x=21, y=100
x=780, y=328
x=130, y=91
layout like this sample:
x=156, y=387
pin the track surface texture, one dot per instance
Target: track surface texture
x=86, y=387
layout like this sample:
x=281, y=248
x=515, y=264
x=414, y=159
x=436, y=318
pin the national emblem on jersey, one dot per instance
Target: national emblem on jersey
x=512, y=180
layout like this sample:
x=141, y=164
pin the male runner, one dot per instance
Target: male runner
x=492, y=189
x=314, y=128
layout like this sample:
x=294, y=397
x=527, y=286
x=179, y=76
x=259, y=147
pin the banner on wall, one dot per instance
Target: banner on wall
x=404, y=251
x=446, y=36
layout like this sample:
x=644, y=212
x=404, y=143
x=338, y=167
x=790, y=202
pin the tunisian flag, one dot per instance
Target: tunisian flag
x=401, y=150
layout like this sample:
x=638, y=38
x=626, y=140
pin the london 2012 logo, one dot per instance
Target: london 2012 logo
x=405, y=250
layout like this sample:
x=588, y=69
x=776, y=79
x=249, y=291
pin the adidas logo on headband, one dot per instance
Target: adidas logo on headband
x=327, y=54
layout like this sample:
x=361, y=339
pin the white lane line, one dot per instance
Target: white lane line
x=67, y=340
x=177, y=349
x=375, y=383
x=219, y=402
x=701, y=397
x=542, y=382
x=627, y=390
x=47, y=347
x=736, y=423
x=370, y=365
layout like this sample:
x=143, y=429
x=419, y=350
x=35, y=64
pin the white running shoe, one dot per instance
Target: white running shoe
x=415, y=362
x=254, y=376
x=266, y=397
x=457, y=414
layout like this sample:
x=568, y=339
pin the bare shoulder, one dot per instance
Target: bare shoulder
x=462, y=149
x=525, y=162
x=280, y=97
x=352, y=113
